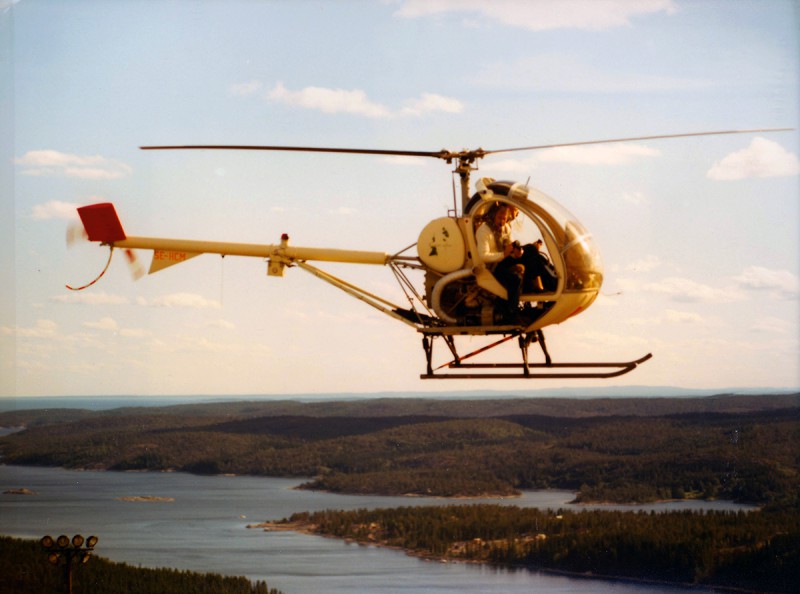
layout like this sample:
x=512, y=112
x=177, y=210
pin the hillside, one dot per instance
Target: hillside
x=743, y=448
x=740, y=551
x=398, y=406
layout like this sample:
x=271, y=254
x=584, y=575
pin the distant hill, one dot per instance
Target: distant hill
x=557, y=401
x=741, y=447
x=10, y=404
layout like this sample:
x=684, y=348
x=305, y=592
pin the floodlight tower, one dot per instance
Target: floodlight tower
x=78, y=550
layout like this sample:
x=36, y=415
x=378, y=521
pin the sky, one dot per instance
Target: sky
x=699, y=236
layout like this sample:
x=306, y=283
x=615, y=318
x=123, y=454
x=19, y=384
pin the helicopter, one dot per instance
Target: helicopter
x=461, y=294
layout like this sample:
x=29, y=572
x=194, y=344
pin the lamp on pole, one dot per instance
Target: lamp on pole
x=78, y=550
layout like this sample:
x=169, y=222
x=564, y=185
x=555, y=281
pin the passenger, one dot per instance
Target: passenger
x=540, y=274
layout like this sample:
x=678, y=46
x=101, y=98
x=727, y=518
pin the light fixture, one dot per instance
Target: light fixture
x=69, y=551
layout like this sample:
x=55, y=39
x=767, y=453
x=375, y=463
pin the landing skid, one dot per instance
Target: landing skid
x=530, y=371
x=523, y=370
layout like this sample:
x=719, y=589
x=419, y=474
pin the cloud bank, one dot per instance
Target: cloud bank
x=181, y=300
x=763, y=158
x=590, y=15
x=594, y=155
x=778, y=283
x=348, y=101
x=353, y=101
x=55, y=209
x=49, y=162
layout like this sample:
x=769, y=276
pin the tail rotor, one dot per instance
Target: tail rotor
x=77, y=235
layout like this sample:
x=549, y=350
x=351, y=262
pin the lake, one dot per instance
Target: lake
x=204, y=528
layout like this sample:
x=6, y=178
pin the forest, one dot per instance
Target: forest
x=744, y=551
x=742, y=448
x=25, y=569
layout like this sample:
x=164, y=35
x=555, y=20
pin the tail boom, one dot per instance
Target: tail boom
x=223, y=248
x=103, y=225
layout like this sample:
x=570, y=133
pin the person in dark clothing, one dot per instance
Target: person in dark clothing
x=520, y=269
x=540, y=274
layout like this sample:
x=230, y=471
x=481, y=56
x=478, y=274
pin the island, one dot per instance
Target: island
x=144, y=498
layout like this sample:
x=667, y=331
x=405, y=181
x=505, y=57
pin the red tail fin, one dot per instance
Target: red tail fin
x=101, y=222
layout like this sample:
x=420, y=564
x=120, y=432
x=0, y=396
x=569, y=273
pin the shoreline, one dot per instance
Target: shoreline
x=302, y=527
x=517, y=495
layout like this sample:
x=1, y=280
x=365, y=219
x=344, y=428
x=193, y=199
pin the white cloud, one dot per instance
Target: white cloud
x=182, y=300
x=42, y=329
x=134, y=332
x=600, y=154
x=689, y=291
x=221, y=323
x=109, y=324
x=608, y=340
x=670, y=316
x=593, y=155
x=91, y=298
x=111, y=172
x=6, y=4
x=54, y=163
x=645, y=264
x=780, y=283
x=763, y=158
x=330, y=100
x=430, y=102
x=356, y=102
x=405, y=161
x=50, y=158
x=773, y=325
x=635, y=198
x=591, y=15
x=189, y=344
x=55, y=209
x=516, y=165
x=204, y=344
x=647, y=322
x=345, y=211
x=682, y=317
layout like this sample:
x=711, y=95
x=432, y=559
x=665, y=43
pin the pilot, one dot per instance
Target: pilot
x=493, y=239
x=494, y=235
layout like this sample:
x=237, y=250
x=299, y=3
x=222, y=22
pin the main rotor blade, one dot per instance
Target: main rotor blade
x=443, y=154
x=633, y=139
x=464, y=155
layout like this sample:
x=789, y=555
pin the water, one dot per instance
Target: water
x=205, y=529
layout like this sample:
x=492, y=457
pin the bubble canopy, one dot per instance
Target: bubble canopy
x=568, y=242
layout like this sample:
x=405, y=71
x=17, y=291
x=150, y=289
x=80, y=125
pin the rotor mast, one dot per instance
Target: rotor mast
x=464, y=166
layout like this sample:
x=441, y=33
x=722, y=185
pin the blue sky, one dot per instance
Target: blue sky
x=699, y=236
